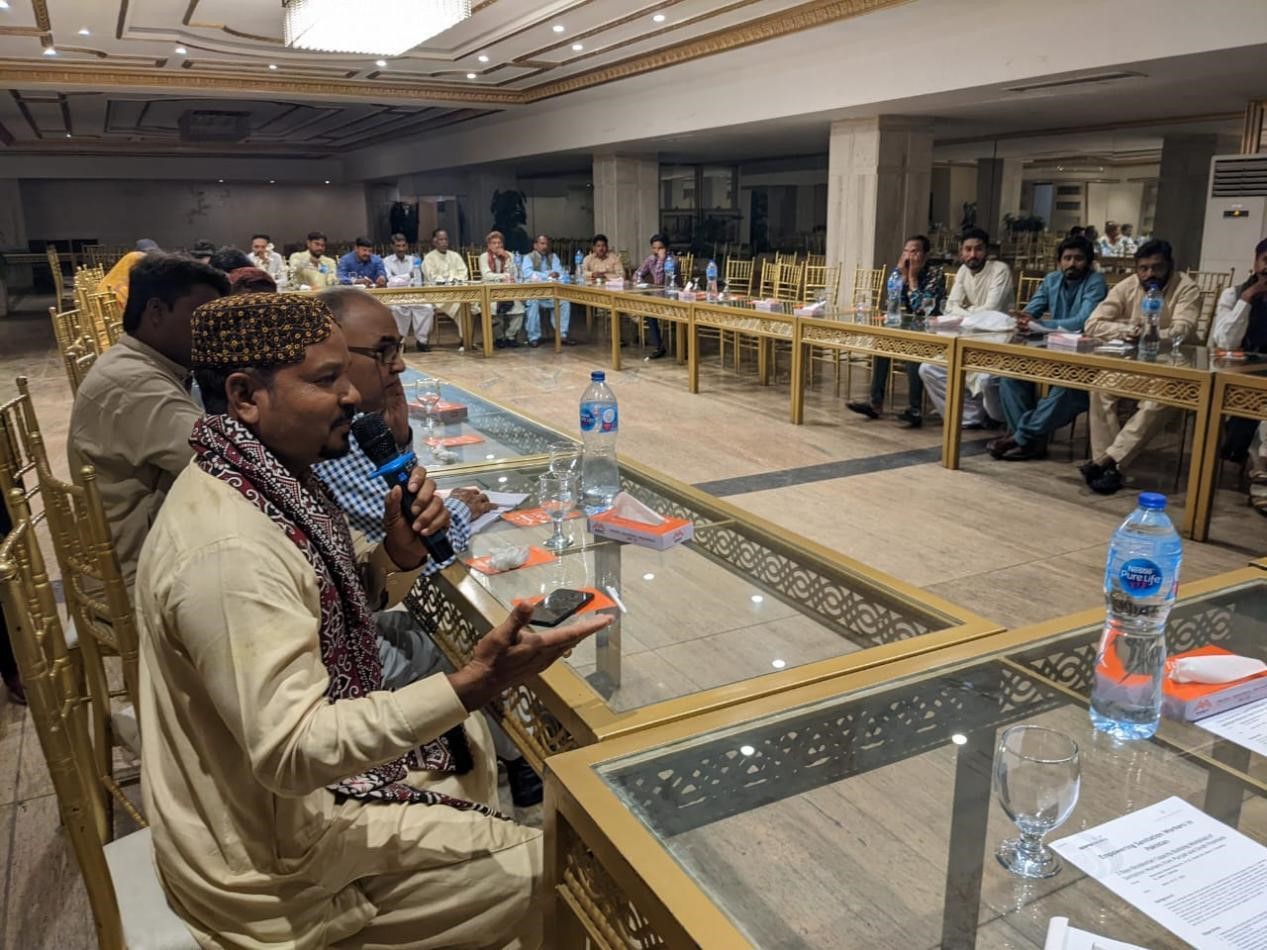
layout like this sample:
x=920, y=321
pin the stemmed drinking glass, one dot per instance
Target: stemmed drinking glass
x=1176, y=340
x=557, y=492
x=1037, y=776
x=926, y=307
x=427, y=393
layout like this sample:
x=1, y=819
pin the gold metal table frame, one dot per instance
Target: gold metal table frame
x=1243, y=396
x=612, y=884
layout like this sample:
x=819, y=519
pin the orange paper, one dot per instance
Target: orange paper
x=536, y=556
x=532, y=517
x=600, y=602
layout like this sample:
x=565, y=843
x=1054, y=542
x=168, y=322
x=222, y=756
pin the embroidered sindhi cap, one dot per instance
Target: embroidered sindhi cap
x=258, y=330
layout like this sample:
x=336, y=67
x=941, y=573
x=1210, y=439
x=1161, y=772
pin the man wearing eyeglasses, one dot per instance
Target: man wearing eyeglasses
x=406, y=652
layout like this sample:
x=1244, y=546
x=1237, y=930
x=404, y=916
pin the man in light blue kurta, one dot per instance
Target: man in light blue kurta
x=1067, y=296
x=543, y=264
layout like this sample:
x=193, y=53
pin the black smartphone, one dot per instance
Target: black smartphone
x=558, y=606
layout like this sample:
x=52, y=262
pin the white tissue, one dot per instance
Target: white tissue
x=1214, y=669
x=987, y=320
x=399, y=280
x=507, y=559
x=626, y=506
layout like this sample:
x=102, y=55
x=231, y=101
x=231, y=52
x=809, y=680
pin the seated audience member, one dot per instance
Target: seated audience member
x=311, y=268
x=115, y=280
x=1063, y=301
x=1128, y=232
x=361, y=267
x=1077, y=231
x=133, y=412
x=601, y=263
x=1115, y=243
x=651, y=271
x=403, y=271
x=1240, y=323
x=268, y=260
x=980, y=284
x=406, y=653
x=508, y=315
x=228, y=258
x=443, y=266
x=203, y=251
x=251, y=280
x=293, y=800
x=1120, y=317
x=921, y=281
x=543, y=264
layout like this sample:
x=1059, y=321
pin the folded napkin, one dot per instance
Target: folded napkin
x=626, y=506
x=1224, y=668
x=989, y=320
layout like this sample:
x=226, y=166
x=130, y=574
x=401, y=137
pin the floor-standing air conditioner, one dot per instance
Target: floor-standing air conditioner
x=1236, y=212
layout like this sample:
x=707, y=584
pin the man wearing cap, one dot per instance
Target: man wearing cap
x=293, y=800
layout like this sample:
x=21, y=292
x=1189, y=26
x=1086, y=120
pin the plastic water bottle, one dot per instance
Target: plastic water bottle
x=861, y=313
x=1141, y=577
x=893, y=316
x=670, y=271
x=710, y=275
x=580, y=266
x=600, y=420
x=1150, y=340
x=516, y=265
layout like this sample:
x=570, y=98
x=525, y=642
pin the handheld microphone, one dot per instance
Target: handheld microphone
x=393, y=466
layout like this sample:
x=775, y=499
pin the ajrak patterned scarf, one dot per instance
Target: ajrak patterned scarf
x=228, y=451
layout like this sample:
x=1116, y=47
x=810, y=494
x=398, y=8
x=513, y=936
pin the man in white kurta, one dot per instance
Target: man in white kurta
x=246, y=733
x=443, y=266
x=403, y=270
x=980, y=284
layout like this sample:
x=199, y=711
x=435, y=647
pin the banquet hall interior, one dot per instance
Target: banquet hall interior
x=870, y=281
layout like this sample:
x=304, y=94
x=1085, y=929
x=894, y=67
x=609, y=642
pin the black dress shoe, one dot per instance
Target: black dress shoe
x=567, y=341
x=659, y=354
x=863, y=409
x=998, y=447
x=986, y=423
x=1024, y=453
x=525, y=785
x=1090, y=470
x=534, y=343
x=512, y=344
x=910, y=419
x=1109, y=482
x=499, y=344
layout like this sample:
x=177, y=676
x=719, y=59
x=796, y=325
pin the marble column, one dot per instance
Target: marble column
x=879, y=178
x=998, y=193
x=1182, y=187
x=627, y=201
x=12, y=217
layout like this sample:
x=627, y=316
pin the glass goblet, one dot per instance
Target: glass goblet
x=1037, y=776
x=1176, y=341
x=557, y=492
x=427, y=395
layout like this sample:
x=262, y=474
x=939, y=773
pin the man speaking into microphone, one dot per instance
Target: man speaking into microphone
x=292, y=799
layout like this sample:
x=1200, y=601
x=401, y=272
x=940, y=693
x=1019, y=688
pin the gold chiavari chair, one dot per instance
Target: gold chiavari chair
x=473, y=264
x=21, y=450
x=738, y=276
x=98, y=605
x=822, y=278
x=1213, y=280
x=685, y=267
x=950, y=279
x=128, y=905
x=103, y=311
x=1026, y=287
x=788, y=280
x=55, y=268
x=868, y=283
x=816, y=260
x=765, y=285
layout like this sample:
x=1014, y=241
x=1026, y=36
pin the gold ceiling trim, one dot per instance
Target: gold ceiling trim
x=807, y=16
x=40, y=9
x=1083, y=129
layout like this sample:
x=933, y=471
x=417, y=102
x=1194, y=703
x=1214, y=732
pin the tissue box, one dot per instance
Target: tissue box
x=689, y=295
x=445, y=412
x=656, y=536
x=1192, y=701
x=1069, y=341
x=611, y=284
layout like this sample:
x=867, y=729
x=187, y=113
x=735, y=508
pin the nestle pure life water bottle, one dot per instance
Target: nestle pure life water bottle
x=893, y=316
x=600, y=420
x=1141, y=576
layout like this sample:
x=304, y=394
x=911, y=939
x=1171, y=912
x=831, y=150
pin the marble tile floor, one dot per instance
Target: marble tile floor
x=1018, y=543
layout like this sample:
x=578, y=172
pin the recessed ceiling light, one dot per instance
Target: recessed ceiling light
x=272, y=65
x=658, y=18
x=272, y=181
x=747, y=750
x=778, y=664
x=380, y=63
x=68, y=135
x=577, y=47
x=648, y=577
x=757, y=598
x=181, y=51
x=327, y=181
x=84, y=31
x=959, y=739
x=483, y=59
x=222, y=181
x=470, y=75
x=558, y=27
x=49, y=51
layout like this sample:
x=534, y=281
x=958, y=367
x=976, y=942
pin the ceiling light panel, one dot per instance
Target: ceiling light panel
x=382, y=27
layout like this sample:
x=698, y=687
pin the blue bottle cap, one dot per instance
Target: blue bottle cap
x=1153, y=501
x=598, y=376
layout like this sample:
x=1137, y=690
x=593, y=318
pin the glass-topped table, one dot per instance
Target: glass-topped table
x=742, y=609
x=859, y=811
x=480, y=432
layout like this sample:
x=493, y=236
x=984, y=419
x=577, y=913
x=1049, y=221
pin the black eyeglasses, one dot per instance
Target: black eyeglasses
x=385, y=354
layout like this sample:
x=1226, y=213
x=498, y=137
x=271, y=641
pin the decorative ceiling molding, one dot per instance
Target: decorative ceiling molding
x=236, y=79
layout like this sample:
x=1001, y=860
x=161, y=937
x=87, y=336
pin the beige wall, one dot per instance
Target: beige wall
x=175, y=214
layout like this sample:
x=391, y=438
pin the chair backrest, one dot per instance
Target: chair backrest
x=949, y=277
x=473, y=264
x=103, y=310
x=685, y=267
x=21, y=449
x=867, y=285
x=1212, y=280
x=789, y=280
x=824, y=278
x=55, y=265
x=1025, y=289
x=739, y=276
x=57, y=705
x=765, y=284
x=1209, y=302
x=816, y=260
x=92, y=581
